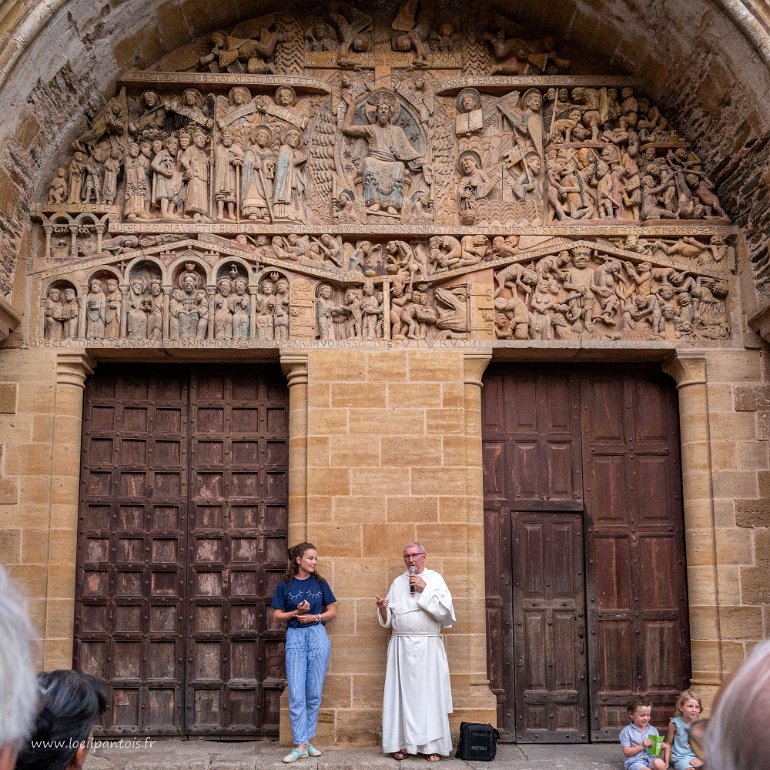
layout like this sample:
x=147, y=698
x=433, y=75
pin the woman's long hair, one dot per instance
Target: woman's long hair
x=295, y=552
x=71, y=703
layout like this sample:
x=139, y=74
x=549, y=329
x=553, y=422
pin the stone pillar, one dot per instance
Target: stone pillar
x=479, y=703
x=689, y=371
x=295, y=368
x=72, y=368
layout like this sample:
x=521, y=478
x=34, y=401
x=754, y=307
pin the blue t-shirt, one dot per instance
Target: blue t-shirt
x=632, y=736
x=288, y=595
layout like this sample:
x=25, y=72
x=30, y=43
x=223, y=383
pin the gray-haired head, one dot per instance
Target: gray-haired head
x=737, y=736
x=18, y=687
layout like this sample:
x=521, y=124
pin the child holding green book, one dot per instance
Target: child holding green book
x=641, y=742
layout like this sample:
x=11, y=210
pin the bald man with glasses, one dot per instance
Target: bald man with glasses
x=417, y=699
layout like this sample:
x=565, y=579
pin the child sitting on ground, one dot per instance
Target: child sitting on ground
x=636, y=738
x=679, y=754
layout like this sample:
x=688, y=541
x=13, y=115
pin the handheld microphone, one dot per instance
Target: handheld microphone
x=412, y=570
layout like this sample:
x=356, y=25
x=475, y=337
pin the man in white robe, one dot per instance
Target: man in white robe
x=418, y=698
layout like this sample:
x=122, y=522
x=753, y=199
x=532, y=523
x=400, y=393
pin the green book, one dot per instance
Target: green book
x=657, y=741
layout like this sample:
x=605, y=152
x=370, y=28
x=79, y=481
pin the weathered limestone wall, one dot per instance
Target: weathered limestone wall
x=723, y=401
x=392, y=449
x=41, y=396
x=393, y=456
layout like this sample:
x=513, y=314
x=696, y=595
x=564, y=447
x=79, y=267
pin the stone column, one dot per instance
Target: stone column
x=294, y=365
x=72, y=368
x=481, y=701
x=689, y=371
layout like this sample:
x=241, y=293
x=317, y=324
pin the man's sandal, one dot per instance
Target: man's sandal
x=433, y=757
x=400, y=755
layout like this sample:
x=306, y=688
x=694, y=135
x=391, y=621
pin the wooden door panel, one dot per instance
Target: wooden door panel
x=517, y=393
x=555, y=405
x=523, y=482
x=607, y=485
x=654, y=489
x=612, y=582
x=605, y=412
x=660, y=644
x=183, y=537
x=549, y=626
x=658, y=553
x=651, y=406
x=557, y=476
x=121, y=582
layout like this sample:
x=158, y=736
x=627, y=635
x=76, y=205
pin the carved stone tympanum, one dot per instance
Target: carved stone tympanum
x=409, y=173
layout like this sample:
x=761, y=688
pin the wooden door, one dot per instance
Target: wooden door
x=602, y=444
x=637, y=595
x=532, y=471
x=551, y=690
x=182, y=539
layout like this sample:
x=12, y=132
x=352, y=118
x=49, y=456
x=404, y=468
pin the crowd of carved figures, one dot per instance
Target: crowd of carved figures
x=386, y=156
x=584, y=291
x=195, y=156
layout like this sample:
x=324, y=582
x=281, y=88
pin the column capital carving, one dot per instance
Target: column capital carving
x=687, y=368
x=294, y=366
x=72, y=368
x=474, y=365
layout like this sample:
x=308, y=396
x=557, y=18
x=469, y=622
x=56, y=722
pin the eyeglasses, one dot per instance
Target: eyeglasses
x=408, y=556
x=698, y=737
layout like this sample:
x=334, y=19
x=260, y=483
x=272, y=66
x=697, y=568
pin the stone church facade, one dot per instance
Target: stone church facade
x=454, y=273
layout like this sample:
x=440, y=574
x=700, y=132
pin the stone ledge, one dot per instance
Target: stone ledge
x=266, y=755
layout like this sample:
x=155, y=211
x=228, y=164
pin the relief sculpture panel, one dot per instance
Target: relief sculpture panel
x=361, y=174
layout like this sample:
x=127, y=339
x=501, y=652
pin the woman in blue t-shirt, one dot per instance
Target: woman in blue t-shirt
x=305, y=600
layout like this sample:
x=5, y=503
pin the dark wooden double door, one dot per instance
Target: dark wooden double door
x=586, y=585
x=182, y=538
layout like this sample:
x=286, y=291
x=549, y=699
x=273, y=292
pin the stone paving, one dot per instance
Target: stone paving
x=266, y=755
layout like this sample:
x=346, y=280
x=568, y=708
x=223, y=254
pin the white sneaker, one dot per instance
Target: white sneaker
x=313, y=751
x=294, y=755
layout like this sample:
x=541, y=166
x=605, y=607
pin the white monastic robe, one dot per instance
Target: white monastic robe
x=418, y=697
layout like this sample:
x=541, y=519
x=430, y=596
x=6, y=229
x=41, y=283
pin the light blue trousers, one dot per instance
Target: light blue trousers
x=307, y=658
